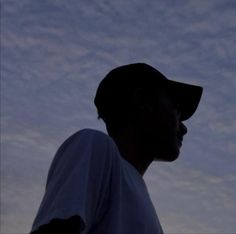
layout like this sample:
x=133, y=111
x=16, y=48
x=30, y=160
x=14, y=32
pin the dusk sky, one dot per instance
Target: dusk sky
x=54, y=53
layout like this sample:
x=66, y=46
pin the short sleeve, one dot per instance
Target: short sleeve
x=78, y=180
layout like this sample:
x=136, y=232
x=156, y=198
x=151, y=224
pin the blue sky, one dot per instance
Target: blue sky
x=53, y=55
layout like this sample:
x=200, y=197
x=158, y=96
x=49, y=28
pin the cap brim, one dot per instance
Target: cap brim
x=188, y=97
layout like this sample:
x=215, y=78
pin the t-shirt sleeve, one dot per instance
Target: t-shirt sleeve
x=78, y=180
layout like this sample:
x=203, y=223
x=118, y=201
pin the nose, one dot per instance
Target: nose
x=183, y=129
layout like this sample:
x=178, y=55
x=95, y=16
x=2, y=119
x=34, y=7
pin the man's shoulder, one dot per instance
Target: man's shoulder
x=90, y=137
x=86, y=145
x=90, y=134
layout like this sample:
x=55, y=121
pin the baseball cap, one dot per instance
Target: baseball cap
x=115, y=90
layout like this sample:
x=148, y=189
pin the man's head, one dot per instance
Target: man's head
x=139, y=96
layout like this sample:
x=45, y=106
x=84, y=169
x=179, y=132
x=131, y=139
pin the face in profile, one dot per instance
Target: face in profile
x=163, y=130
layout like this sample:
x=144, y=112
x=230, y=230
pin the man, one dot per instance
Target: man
x=95, y=182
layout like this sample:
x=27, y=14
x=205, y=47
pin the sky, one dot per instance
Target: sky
x=54, y=53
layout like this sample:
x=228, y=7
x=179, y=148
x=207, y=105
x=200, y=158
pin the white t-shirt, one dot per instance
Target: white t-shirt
x=89, y=178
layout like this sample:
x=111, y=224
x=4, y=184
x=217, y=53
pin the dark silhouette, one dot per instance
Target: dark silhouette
x=144, y=113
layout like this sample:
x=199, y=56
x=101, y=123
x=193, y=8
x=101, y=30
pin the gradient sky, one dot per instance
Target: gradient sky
x=53, y=55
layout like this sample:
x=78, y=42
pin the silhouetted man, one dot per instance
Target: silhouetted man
x=95, y=182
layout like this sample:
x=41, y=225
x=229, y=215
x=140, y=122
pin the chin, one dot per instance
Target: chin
x=166, y=159
x=168, y=156
x=172, y=158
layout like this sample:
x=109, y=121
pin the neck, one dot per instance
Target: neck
x=131, y=150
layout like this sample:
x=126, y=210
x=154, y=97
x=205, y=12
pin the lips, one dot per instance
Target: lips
x=179, y=140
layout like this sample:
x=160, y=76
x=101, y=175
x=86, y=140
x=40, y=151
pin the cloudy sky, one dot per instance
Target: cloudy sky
x=53, y=55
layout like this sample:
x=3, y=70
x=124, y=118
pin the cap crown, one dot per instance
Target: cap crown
x=115, y=91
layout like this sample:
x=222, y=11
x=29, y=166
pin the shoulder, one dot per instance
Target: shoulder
x=84, y=144
x=91, y=137
x=87, y=135
x=89, y=141
x=88, y=132
x=83, y=149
